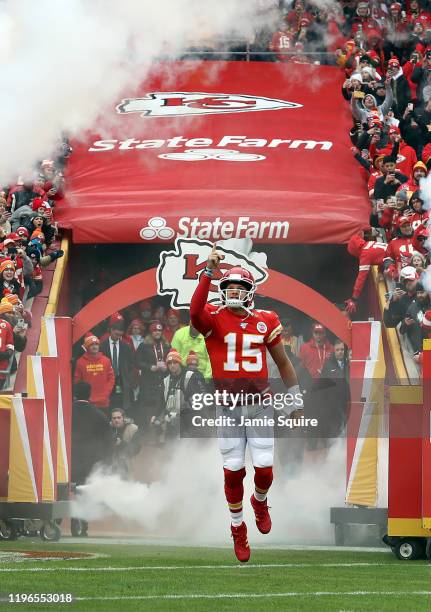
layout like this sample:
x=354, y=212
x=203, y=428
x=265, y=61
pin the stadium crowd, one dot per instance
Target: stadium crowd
x=387, y=64
x=28, y=243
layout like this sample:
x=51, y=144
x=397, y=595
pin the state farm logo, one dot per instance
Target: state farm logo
x=179, y=270
x=157, y=228
x=215, y=229
x=229, y=155
x=173, y=104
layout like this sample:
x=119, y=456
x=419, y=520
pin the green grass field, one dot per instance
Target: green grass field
x=176, y=578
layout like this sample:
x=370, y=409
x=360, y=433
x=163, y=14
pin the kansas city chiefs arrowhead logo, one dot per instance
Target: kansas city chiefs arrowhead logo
x=179, y=270
x=172, y=104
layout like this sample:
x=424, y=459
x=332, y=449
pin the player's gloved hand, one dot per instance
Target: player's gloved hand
x=351, y=305
x=293, y=408
x=392, y=271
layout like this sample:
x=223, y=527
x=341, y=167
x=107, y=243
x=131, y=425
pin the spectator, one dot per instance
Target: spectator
x=369, y=104
x=179, y=386
x=282, y=42
x=192, y=362
x=336, y=395
x=400, y=299
x=91, y=440
x=400, y=87
x=150, y=360
x=173, y=323
x=121, y=357
x=127, y=442
x=189, y=339
x=8, y=280
x=96, y=369
x=22, y=194
x=18, y=325
x=391, y=180
x=4, y=217
x=314, y=353
x=411, y=324
x=420, y=171
x=135, y=332
x=406, y=156
x=7, y=347
x=400, y=249
x=159, y=315
x=369, y=253
x=145, y=310
x=116, y=319
x=421, y=76
x=289, y=339
x=418, y=215
x=419, y=263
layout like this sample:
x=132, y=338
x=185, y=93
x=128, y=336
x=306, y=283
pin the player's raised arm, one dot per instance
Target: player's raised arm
x=199, y=316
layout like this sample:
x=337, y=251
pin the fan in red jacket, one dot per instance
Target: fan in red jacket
x=420, y=171
x=96, y=369
x=314, y=353
x=401, y=249
x=406, y=157
x=281, y=43
x=418, y=215
x=370, y=253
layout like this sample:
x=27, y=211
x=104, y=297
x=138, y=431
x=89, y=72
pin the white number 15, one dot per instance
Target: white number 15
x=250, y=356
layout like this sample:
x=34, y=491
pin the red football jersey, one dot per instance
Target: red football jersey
x=236, y=346
x=401, y=250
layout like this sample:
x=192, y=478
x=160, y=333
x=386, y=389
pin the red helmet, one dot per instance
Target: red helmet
x=242, y=277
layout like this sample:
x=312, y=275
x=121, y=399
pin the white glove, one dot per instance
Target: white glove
x=295, y=402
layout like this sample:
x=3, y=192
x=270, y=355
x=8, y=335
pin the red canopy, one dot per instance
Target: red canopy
x=220, y=150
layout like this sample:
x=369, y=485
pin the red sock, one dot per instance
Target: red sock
x=234, y=491
x=262, y=481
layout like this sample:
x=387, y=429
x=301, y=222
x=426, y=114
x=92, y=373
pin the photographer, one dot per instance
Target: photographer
x=127, y=441
x=391, y=180
x=399, y=301
x=369, y=104
x=179, y=386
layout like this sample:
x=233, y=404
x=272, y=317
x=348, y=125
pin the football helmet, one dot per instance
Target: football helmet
x=242, y=277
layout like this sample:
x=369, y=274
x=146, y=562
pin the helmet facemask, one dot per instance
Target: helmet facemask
x=245, y=298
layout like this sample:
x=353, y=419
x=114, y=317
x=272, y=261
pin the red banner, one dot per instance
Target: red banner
x=259, y=150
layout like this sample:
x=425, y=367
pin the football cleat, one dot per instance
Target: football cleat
x=261, y=512
x=240, y=542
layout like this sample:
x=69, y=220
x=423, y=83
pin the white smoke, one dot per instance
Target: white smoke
x=187, y=503
x=62, y=62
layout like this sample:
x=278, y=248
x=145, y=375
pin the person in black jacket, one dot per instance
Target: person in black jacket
x=389, y=183
x=411, y=324
x=399, y=302
x=38, y=221
x=91, y=442
x=335, y=371
x=150, y=360
x=122, y=359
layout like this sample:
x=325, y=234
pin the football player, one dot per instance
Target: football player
x=237, y=337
